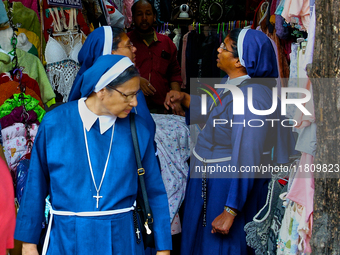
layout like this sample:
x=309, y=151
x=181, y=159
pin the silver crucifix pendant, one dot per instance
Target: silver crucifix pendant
x=97, y=197
x=137, y=232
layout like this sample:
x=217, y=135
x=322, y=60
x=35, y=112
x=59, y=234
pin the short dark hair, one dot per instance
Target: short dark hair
x=125, y=76
x=233, y=35
x=133, y=8
x=116, y=36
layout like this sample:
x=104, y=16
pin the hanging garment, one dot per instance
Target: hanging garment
x=302, y=192
x=62, y=63
x=21, y=178
x=25, y=80
x=127, y=12
x=29, y=102
x=68, y=20
x=34, y=39
x=26, y=18
x=31, y=4
x=293, y=228
x=32, y=66
x=3, y=14
x=22, y=42
x=257, y=231
x=183, y=60
x=18, y=129
x=116, y=18
x=12, y=87
x=18, y=115
x=173, y=146
x=7, y=225
x=15, y=142
x=177, y=37
x=297, y=9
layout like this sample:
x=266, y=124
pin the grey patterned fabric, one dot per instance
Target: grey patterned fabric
x=259, y=232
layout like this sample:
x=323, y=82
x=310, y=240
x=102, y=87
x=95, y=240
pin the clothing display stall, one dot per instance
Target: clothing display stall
x=39, y=45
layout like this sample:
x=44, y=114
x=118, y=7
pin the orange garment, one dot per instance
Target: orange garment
x=25, y=79
x=12, y=87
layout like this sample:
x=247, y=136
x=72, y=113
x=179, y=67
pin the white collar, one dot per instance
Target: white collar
x=236, y=81
x=89, y=118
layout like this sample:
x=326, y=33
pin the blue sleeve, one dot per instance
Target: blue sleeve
x=248, y=144
x=31, y=213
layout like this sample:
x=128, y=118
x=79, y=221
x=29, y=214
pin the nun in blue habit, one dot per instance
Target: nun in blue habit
x=99, y=43
x=217, y=206
x=88, y=167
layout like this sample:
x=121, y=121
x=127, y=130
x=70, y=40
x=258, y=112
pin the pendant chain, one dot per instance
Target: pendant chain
x=90, y=165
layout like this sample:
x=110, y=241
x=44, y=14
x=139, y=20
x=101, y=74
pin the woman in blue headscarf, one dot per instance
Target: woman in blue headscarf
x=221, y=197
x=88, y=167
x=108, y=40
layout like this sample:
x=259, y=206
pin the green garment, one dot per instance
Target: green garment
x=32, y=66
x=29, y=102
x=27, y=18
x=33, y=50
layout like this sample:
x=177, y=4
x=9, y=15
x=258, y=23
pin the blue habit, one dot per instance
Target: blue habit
x=247, y=146
x=59, y=167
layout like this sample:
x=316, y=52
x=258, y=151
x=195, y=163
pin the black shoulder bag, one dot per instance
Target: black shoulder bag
x=143, y=208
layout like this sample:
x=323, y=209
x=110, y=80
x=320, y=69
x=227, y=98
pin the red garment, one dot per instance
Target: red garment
x=158, y=64
x=254, y=25
x=7, y=209
x=252, y=6
x=26, y=80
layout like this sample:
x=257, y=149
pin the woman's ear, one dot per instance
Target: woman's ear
x=238, y=63
x=101, y=93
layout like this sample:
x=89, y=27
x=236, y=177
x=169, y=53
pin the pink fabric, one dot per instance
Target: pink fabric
x=127, y=12
x=302, y=192
x=297, y=8
x=183, y=60
x=18, y=129
x=302, y=189
x=7, y=212
x=176, y=225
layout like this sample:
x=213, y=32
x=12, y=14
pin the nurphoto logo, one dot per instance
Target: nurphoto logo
x=238, y=100
x=238, y=104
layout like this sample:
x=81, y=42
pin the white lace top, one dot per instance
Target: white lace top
x=61, y=54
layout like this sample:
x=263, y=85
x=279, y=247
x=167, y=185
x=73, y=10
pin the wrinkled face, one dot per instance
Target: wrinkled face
x=225, y=58
x=144, y=17
x=113, y=102
x=125, y=48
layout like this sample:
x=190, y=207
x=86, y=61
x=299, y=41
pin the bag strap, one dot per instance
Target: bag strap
x=141, y=170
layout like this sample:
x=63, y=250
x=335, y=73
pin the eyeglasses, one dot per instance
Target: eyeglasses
x=130, y=45
x=129, y=97
x=223, y=47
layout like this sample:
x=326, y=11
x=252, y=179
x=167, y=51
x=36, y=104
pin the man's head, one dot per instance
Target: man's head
x=144, y=15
